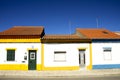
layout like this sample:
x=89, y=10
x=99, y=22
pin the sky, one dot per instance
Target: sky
x=60, y=16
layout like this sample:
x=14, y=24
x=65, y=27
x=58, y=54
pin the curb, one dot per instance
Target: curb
x=42, y=74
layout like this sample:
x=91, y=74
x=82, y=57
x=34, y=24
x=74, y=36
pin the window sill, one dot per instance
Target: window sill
x=10, y=61
x=59, y=60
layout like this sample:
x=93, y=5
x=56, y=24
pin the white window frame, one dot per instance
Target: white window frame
x=107, y=53
x=59, y=56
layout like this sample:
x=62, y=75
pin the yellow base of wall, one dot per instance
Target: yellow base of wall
x=17, y=67
x=62, y=68
x=89, y=67
x=13, y=67
x=39, y=67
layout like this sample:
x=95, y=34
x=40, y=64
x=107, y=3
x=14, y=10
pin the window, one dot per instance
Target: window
x=60, y=56
x=32, y=55
x=107, y=53
x=10, y=55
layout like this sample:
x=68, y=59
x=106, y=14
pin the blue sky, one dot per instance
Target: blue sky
x=60, y=16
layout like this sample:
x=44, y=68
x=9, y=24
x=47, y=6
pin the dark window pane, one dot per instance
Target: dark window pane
x=10, y=55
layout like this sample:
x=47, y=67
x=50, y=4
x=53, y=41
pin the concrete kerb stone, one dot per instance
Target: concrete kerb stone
x=87, y=73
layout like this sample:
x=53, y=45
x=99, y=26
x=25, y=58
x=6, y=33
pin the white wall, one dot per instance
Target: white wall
x=21, y=49
x=72, y=58
x=98, y=54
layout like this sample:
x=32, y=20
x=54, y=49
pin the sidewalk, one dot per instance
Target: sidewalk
x=83, y=73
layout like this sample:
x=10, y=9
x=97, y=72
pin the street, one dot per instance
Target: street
x=113, y=77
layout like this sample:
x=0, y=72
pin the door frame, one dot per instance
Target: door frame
x=84, y=57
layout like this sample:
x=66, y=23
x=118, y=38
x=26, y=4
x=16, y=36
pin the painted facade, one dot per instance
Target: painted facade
x=105, y=48
x=20, y=48
x=106, y=54
x=29, y=48
x=69, y=54
x=21, y=55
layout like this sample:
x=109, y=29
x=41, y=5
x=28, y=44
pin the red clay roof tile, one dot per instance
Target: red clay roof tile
x=98, y=33
x=23, y=30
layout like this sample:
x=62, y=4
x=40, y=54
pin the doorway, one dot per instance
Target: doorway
x=82, y=58
x=32, y=60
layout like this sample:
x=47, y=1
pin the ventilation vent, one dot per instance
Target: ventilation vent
x=105, y=32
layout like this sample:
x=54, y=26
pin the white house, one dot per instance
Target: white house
x=105, y=48
x=29, y=48
x=20, y=48
x=65, y=52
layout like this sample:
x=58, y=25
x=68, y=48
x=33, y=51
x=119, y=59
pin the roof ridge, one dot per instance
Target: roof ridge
x=91, y=28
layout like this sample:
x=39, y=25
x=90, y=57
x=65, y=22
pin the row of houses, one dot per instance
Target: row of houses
x=29, y=48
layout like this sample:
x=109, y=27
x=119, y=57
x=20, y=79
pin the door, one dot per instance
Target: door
x=82, y=58
x=32, y=60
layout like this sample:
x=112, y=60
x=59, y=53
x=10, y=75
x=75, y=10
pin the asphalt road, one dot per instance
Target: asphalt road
x=113, y=77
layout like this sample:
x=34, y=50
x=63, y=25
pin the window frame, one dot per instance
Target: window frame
x=10, y=54
x=63, y=53
x=107, y=53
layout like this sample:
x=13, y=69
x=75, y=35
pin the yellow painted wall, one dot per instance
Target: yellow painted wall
x=19, y=40
x=13, y=67
x=42, y=56
x=39, y=67
x=89, y=67
x=62, y=68
x=17, y=67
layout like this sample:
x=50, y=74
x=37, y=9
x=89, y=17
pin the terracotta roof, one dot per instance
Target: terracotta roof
x=98, y=33
x=64, y=39
x=61, y=37
x=23, y=30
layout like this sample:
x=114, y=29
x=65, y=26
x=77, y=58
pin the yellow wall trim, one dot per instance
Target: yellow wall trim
x=62, y=68
x=13, y=67
x=39, y=67
x=19, y=40
x=17, y=67
x=32, y=49
x=89, y=67
x=11, y=48
x=42, y=56
x=82, y=48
